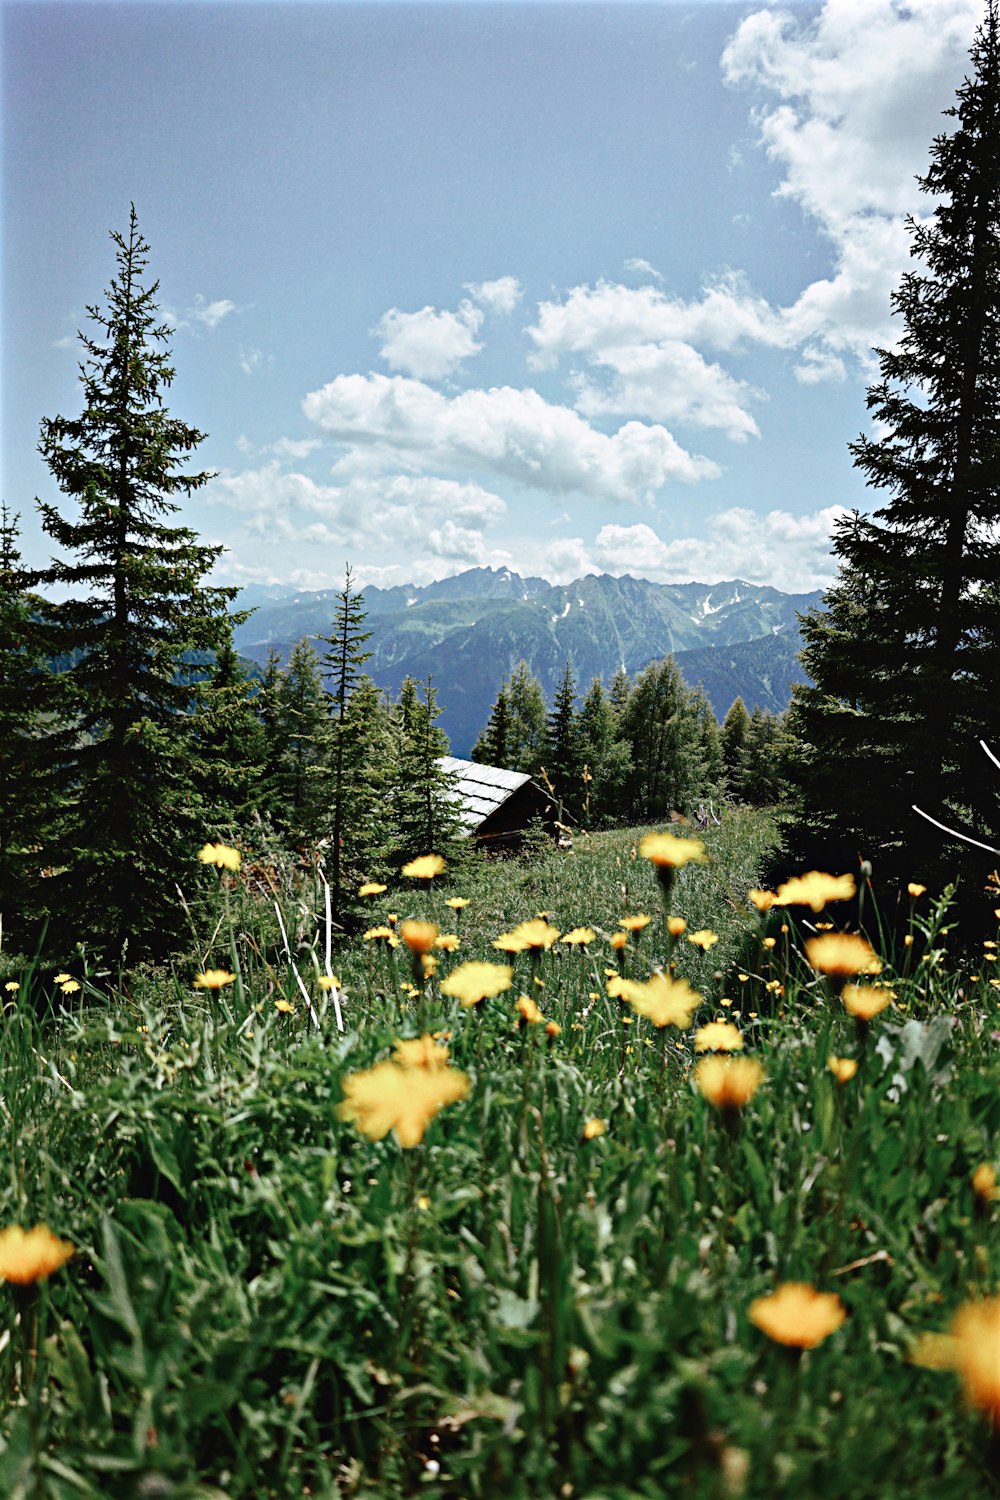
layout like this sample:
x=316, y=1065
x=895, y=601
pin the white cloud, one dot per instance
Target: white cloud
x=250, y=359
x=788, y=552
x=500, y=296
x=818, y=365
x=211, y=314
x=429, y=344
x=641, y=267
x=513, y=434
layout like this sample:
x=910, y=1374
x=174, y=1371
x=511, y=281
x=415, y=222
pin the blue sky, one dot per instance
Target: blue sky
x=562, y=287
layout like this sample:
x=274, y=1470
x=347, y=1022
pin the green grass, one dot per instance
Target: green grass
x=264, y=1302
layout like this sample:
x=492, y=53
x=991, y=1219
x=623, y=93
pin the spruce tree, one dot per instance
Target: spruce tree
x=563, y=757
x=425, y=816
x=903, y=655
x=342, y=665
x=605, y=755
x=492, y=748
x=528, y=720
x=233, y=746
x=304, y=744
x=137, y=609
x=735, y=728
x=660, y=724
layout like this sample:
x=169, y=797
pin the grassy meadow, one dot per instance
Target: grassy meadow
x=296, y=1271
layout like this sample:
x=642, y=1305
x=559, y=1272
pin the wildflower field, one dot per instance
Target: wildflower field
x=607, y=1175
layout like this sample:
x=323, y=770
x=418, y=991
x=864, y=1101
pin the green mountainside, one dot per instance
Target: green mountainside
x=467, y=632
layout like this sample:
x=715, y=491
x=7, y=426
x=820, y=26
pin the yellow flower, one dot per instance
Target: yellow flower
x=529, y=1012
x=984, y=1183
x=70, y=987
x=915, y=890
x=535, y=934
x=864, y=1001
x=618, y=941
x=815, y=889
x=703, y=938
x=221, y=855
x=388, y=1097
x=763, y=900
x=552, y=1028
x=213, y=979
x=472, y=982
x=728, y=1082
x=386, y=933
x=842, y=1068
x=718, y=1036
x=457, y=902
x=328, y=982
x=419, y=937
x=636, y=923
x=30, y=1255
x=975, y=1329
x=424, y=868
x=371, y=888
x=797, y=1315
x=421, y=1052
x=593, y=1129
x=448, y=942
x=578, y=935
x=285, y=1006
x=61, y=978
x=664, y=1000
x=842, y=954
x=667, y=851
x=676, y=926
x=12, y=986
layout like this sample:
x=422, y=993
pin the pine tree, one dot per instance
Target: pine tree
x=342, y=665
x=425, y=816
x=660, y=723
x=709, y=742
x=903, y=656
x=528, y=720
x=605, y=755
x=735, y=728
x=563, y=757
x=233, y=745
x=492, y=748
x=137, y=608
x=303, y=763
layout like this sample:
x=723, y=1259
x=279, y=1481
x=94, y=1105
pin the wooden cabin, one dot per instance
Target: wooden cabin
x=496, y=806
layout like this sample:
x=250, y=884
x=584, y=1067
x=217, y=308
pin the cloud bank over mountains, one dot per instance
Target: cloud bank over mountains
x=617, y=387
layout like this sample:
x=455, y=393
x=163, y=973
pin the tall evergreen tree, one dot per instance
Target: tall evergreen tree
x=233, y=746
x=660, y=723
x=425, y=817
x=492, y=748
x=735, y=729
x=563, y=750
x=605, y=755
x=528, y=720
x=903, y=656
x=342, y=664
x=137, y=607
x=304, y=746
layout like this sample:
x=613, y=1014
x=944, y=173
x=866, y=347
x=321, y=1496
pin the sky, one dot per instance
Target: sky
x=565, y=288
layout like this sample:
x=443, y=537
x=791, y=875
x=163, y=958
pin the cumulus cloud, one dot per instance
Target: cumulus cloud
x=429, y=344
x=514, y=434
x=786, y=551
x=500, y=296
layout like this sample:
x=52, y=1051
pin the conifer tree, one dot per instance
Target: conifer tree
x=528, y=720
x=903, y=655
x=342, y=665
x=492, y=748
x=563, y=758
x=710, y=742
x=425, y=817
x=735, y=728
x=604, y=753
x=303, y=763
x=233, y=746
x=660, y=723
x=137, y=608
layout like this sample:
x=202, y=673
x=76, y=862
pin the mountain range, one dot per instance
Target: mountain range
x=467, y=632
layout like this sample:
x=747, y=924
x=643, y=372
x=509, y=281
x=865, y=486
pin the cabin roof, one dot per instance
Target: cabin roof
x=479, y=790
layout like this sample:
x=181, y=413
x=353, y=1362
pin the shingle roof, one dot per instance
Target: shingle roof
x=479, y=790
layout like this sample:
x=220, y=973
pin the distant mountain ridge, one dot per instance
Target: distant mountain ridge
x=468, y=631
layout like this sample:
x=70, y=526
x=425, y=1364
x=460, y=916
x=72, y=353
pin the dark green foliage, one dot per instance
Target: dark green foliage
x=735, y=728
x=564, y=747
x=424, y=817
x=137, y=606
x=904, y=654
x=606, y=756
x=303, y=734
x=661, y=726
x=528, y=720
x=342, y=665
x=233, y=742
x=493, y=747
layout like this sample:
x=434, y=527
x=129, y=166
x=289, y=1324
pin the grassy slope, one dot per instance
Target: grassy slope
x=264, y=1302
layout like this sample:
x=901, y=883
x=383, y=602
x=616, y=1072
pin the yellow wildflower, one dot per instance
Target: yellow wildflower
x=528, y=1010
x=763, y=900
x=457, y=903
x=667, y=851
x=328, y=982
x=842, y=954
x=535, y=935
x=703, y=938
x=865, y=1002
x=728, y=1082
x=424, y=868
x=552, y=1028
x=676, y=926
x=61, y=978
x=593, y=1129
x=388, y=1097
x=422, y=1052
x=70, y=987
x=618, y=941
x=371, y=888
x=285, y=1006
x=419, y=937
x=476, y=981
x=213, y=979
x=12, y=986
x=636, y=923
x=718, y=1036
x=663, y=999
x=984, y=1183
x=578, y=935
x=448, y=942
x=915, y=890
x=798, y=1315
x=31, y=1255
x=815, y=889
x=221, y=855
x=975, y=1329
x=842, y=1068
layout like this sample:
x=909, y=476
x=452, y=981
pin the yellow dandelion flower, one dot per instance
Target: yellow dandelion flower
x=457, y=903
x=865, y=1002
x=448, y=942
x=975, y=1329
x=534, y=935
x=328, y=982
x=422, y=1052
x=798, y=1315
x=285, y=1006
x=763, y=900
x=703, y=938
x=676, y=926
x=418, y=936
x=12, y=986
x=728, y=1083
x=213, y=979
x=618, y=941
x=842, y=954
x=636, y=923
x=984, y=1183
x=664, y=1000
x=718, y=1036
x=528, y=1011
x=552, y=1028
x=61, y=978
x=471, y=982
x=222, y=855
x=579, y=936
x=405, y=1100
x=593, y=1129
x=842, y=1068
x=815, y=889
x=915, y=890
x=371, y=888
x=70, y=987
x=668, y=852
x=424, y=868
x=31, y=1255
